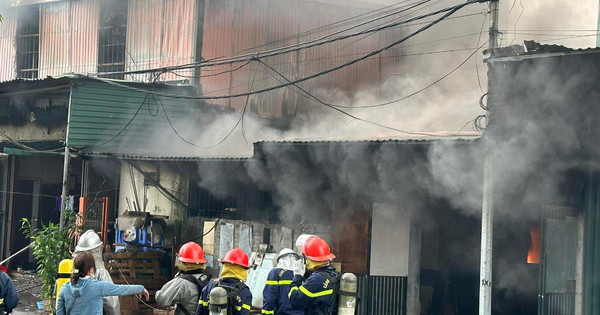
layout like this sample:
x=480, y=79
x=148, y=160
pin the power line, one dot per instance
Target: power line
x=361, y=53
x=449, y=12
x=325, y=27
x=344, y=112
x=308, y=44
x=241, y=119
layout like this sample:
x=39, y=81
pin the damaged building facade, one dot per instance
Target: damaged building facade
x=402, y=214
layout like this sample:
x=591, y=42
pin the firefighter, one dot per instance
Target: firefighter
x=233, y=275
x=275, y=294
x=89, y=242
x=318, y=294
x=184, y=290
x=9, y=298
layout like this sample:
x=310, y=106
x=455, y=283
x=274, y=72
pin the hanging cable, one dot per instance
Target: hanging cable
x=318, y=74
x=448, y=11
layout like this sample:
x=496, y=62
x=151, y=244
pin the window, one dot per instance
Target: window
x=28, y=41
x=112, y=35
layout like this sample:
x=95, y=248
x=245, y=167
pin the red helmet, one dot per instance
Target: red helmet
x=191, y=252
x=316, y=249
x=236, y=256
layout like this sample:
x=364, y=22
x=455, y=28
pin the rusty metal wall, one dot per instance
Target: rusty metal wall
x=68, y=37
x=234, y=26
x=8, y=49
x=160, y=33
x=84, y=19
x=55, y=36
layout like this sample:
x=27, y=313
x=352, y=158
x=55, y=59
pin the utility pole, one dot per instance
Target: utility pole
x=487, y=210
x=65, y=181
x=598, y=28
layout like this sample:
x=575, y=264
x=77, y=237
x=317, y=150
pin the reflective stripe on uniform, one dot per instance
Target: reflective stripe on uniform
x=268, y=312
x=292, y=290
x=316, y=294
x=203, y=303
x=1, y=301
x=282, y=282
x=246, y=306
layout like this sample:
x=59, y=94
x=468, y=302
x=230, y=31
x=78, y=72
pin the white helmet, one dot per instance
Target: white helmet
x=285, y=252
x=88, y=241
x=286, y=263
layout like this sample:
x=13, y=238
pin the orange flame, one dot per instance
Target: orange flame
x=533, y=254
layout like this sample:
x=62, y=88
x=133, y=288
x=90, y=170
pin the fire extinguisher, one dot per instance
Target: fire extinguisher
x=218, y=301
x=347, y=295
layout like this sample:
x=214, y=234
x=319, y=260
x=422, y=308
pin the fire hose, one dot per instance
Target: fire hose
x=15, y=254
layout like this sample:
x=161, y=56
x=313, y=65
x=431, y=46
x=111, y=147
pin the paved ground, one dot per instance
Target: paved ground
x=30, y=290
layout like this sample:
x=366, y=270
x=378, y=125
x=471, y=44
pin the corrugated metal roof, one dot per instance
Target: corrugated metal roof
x=532, y=49
x=166, y=158
x=439, y=136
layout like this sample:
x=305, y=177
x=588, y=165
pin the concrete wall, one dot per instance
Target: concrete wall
x=396, y=249
x=149, y=197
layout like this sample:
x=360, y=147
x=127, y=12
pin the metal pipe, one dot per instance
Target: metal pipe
x=15, y=254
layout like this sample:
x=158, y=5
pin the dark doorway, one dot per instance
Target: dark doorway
x=49, y=203
x=23, y=203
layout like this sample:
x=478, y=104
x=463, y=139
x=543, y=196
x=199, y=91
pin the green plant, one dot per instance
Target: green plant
x=49, y=246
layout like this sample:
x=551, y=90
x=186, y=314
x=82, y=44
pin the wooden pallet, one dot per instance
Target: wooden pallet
x=136, y=268
x=138, y=265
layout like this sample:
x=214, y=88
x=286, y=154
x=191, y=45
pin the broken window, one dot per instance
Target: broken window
x=28, y=41
x=112, y=35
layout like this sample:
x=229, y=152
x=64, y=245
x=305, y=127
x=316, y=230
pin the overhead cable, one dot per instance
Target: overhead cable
x=318, y=74
x=344, y=112
x=448, y=11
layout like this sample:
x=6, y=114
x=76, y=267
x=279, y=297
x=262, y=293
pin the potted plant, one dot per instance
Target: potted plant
x=49, y=245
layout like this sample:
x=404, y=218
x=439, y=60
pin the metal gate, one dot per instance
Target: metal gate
x=93, y=214
x=382, y=295
x=558, y=269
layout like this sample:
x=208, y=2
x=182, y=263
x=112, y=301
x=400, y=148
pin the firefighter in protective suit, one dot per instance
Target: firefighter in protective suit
x=233, y=275
x=90, y=242
x=318, y=294
x=9, y=298
x=275, y=294
x=185, y=289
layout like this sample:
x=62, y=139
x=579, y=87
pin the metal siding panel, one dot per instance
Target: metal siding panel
x=8, y=48
x=99, y=112
x=68, y=37
x=54, y=39
x=233, y=26
x=591, y=276
x=179, y=40
x=84, y=16
x=143, y=36
x=160, y=33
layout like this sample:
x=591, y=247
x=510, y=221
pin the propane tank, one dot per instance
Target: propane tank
x=218, y=301
x=65, y=268
x=347, y=298
x=301, y=240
